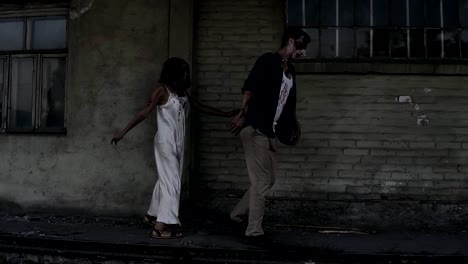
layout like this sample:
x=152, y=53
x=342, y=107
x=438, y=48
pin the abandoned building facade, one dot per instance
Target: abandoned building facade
x=381, y=101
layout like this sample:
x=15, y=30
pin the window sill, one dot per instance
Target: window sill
x=401, y=68
x=48, y=131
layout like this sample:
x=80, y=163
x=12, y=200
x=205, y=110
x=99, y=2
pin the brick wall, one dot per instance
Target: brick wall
x=358, y=144
x=230, y=36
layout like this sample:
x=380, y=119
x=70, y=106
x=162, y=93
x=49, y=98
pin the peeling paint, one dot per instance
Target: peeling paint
x=387, y=189
x=422, y=120
x=76, y=13
x=404, y=99
x=393, y=183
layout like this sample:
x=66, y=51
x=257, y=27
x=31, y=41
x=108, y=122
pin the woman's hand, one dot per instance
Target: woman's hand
x=117, y=137
x=233, y=113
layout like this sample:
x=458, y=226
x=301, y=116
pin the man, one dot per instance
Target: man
x=268, y=106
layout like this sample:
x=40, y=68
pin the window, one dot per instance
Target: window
x=33, y=55
x=383, y=29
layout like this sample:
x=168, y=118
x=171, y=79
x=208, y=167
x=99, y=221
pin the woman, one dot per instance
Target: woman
x=172, y=102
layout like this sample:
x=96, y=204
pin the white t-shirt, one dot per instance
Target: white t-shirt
x=286, y=85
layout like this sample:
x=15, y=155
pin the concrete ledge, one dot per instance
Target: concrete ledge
x=50, y=239
x=376, y=214
x=403, y=68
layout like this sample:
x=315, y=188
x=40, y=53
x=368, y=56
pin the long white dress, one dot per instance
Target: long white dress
x=169, y=154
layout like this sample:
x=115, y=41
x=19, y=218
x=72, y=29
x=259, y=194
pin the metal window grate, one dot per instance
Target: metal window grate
x=395, y=30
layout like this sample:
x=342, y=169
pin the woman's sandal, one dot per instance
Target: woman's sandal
x=150, y=220
x=167, y=233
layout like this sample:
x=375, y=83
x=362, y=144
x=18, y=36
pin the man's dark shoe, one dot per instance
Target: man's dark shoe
x=238, y=228
x=256, y=240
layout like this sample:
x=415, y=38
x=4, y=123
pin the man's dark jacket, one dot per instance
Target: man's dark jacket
x=264, y=81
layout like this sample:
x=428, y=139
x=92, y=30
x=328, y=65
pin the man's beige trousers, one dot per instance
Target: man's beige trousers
x=260, y=155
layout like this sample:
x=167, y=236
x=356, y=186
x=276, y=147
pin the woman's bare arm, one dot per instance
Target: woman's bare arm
x=158, y=96
x=208, y=110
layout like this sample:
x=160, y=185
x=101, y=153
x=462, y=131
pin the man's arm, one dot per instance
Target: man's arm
x=252, y=86
x=238, y=122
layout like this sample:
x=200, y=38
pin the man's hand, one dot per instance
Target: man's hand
x=238, y=123
x=233, y=113
x=296, y=133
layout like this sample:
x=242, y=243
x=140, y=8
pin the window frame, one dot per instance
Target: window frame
x=5, y=92
x=372, y=64
x=41, y=88
x=34, y=88
x=38, y=56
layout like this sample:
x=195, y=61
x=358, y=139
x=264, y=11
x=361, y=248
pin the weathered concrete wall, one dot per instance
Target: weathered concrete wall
x=116, y=49
x=360, y=151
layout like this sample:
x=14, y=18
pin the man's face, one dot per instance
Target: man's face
x=297, y=48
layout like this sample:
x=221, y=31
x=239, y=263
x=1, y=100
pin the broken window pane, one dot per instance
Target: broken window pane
x=399, y=44
x=295, y=12
x=380, y=13
x=433, y=13
x=53, y=93
x=417, y=48
x=398, y=13
x=346, y=48
x=11, y=34
x=312, y=12
x=451, y=47
x=450, y=13
x=49, y=33
x=21, y=100
x=312, y=49
x=363, y=13
x=346, y=10
x=416, y=13
x=463, y=12
x=328, y=43
x=434, y=43
x=363, y=43
x=328, y=13
x=464, y=44
x=380, y=43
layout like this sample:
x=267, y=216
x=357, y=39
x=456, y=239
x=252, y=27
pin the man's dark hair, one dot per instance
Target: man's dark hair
x=174, y=69
x=296, y=33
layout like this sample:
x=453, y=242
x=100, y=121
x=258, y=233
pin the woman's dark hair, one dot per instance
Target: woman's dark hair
x=295, y=33
x=175, y=69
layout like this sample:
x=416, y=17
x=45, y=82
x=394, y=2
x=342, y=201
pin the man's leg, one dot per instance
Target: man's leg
x=260, y=158
x=241, y=210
